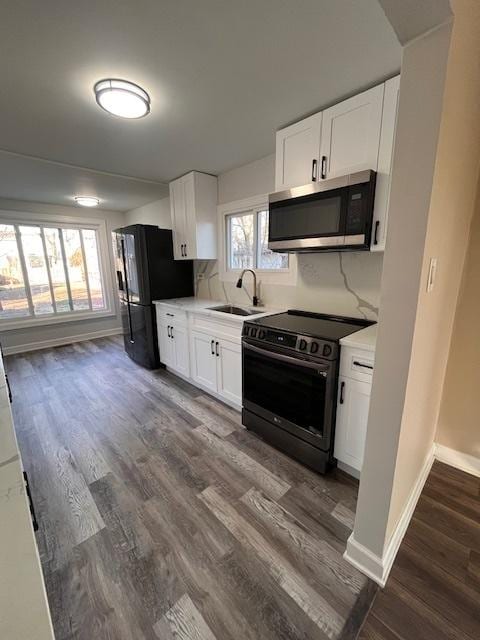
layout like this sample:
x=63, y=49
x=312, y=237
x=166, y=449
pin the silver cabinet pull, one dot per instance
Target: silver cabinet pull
x=324, y=168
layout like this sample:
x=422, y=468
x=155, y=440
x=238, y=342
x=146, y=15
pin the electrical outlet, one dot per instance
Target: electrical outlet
x=432, y=272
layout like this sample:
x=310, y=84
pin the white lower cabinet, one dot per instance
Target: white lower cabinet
x=353, y=403
x=229, y=371
x=217, y=366
x=173, y=344
x=167, y=355
x=204, y=360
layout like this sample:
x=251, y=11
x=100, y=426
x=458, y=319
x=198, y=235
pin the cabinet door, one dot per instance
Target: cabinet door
x=297, y=153
x=351, y=134
x=385, y=157
x=229, y=371
x=165, y=344
x=178, y=211
x=204, y=360
x=352, y=419
x=190, y=237
x=182, y=356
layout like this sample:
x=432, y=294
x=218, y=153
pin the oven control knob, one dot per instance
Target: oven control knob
x=302, y=345
x=246, y=331
x=314, y=347
x=261, y=334
x=327, y=350
x=253, y=332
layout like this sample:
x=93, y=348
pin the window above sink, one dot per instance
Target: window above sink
x=243, y=243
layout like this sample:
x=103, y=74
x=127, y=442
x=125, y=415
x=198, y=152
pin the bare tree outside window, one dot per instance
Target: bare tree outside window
x=247, y=242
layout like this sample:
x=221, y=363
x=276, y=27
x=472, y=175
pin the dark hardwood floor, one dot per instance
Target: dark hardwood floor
x=433, y=592
x=161, y=517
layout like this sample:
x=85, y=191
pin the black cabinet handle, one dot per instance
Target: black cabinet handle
x=314, y=170
x=375, y=237
x=170, y=314
x=9, y=390
x=171, y=332
x=30, y=503
x=360, y=364
x=342, y=390
x=168, y=330
x=185, y=250
x=216, y=349
x=324, y=167
x=212, y=347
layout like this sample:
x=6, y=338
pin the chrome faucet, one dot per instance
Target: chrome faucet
x=240, y=283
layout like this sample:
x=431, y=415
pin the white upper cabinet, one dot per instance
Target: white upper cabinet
x=193, y=205
x=351, y=134
x=384, y=167
x=297, y=153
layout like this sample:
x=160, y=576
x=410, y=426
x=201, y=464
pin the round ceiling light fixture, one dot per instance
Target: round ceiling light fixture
x=122, y=98
x=87, y=201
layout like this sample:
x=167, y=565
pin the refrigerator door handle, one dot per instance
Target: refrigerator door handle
x=120, y=281
x=126, y=291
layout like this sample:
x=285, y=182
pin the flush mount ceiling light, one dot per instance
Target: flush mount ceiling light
x=122, y=98
x=87, y=201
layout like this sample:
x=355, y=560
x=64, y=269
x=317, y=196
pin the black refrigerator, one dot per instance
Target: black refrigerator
x=146, y=271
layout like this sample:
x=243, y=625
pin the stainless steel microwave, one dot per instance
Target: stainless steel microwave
x=331, y=215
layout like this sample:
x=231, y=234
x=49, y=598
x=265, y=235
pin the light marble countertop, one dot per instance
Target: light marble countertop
x=199, y=305
x=363, y=339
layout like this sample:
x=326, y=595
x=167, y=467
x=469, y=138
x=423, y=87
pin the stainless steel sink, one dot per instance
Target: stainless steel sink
x=236, y=311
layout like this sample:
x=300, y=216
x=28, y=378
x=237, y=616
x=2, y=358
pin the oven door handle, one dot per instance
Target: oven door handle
x=299, y=362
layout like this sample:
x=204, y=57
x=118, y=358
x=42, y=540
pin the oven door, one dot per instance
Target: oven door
x=290, y=392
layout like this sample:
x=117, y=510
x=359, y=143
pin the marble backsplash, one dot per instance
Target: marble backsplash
x=338, y=283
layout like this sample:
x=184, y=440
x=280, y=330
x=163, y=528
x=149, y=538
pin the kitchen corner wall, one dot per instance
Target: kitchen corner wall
x=338, y=283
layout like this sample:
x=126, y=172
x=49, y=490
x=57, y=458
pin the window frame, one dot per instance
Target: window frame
x=249, y=206
x=32, y=219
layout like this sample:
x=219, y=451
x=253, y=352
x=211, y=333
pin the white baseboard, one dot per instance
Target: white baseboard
x=458, y=459
x=58, y=342
x=378, y=567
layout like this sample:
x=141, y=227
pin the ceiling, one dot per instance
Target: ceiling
x=223, y=75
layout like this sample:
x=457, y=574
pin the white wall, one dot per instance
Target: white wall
x=64, y=331
x=156, y=213
x=338, y=283
x=387, y=481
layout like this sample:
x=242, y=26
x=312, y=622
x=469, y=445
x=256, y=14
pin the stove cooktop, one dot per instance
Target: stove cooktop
x=316, y=325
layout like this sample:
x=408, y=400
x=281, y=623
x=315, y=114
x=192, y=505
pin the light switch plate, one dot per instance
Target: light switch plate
x=432, y=272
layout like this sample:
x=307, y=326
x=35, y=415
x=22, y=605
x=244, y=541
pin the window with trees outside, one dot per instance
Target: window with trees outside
x=247, y=242
x=49, y=271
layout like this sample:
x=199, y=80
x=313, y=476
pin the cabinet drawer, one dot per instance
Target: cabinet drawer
x=216, y=327
x=357, y=364
x=170, y=314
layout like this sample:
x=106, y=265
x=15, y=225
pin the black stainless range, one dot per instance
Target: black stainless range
x=290, y=373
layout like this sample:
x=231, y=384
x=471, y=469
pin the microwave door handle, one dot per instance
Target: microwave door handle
x=279, y=356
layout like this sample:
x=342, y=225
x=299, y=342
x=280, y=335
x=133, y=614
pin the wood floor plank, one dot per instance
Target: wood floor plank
x=185, y=622
x=449, y=522
x=259, y=475
x=448, y=597
x=121, y=460
x=316, y=608
x=337, y=574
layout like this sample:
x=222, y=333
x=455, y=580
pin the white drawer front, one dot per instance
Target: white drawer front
x=216, y=327
x=170, y=314
x=357, y=364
